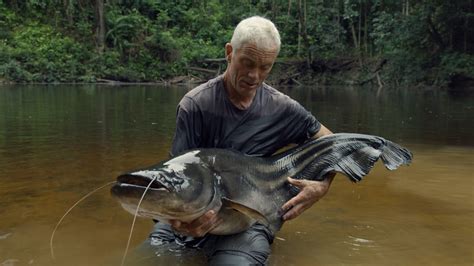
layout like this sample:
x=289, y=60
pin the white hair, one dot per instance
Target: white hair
x=256, y=30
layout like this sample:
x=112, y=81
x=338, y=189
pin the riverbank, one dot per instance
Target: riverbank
x=350, y=71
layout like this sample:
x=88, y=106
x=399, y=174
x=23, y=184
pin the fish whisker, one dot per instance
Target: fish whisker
x=69, y=210
x=133, y=223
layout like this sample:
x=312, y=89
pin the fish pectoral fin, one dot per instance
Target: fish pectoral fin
x=252, y=213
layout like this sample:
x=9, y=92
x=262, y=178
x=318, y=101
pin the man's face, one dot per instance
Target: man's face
x=249, y=66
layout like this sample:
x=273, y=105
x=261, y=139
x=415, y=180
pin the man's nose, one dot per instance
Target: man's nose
x=253, y=74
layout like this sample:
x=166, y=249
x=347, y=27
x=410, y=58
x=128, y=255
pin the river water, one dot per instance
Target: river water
x=59, y=142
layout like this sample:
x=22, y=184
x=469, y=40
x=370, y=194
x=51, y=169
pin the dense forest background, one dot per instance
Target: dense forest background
x=382, y=41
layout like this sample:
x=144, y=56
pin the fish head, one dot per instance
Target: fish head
x=180, y=189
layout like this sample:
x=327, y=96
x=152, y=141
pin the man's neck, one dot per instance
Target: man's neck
x=240, y=101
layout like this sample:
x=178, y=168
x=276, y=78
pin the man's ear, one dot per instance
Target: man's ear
x=228, y=52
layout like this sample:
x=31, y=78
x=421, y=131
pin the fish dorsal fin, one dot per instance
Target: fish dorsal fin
x=252, y=213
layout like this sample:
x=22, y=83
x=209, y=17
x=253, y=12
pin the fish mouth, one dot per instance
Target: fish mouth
x=141, y=182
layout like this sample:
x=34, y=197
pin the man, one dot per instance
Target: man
x=239, y=111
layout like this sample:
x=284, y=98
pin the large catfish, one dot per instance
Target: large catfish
x=247, y=189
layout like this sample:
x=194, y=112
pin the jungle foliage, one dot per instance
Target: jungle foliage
x=148, y=40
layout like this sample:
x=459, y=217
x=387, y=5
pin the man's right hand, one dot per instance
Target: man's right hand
x=199, y=227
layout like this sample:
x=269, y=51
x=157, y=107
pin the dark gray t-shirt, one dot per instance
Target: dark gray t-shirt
x=206, y=118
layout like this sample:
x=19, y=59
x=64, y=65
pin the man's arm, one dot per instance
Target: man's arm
x=310, y=191
x=322, y=132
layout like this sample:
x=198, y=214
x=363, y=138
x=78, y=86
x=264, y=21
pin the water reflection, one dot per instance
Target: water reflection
x=59, y=142
x=420, y=116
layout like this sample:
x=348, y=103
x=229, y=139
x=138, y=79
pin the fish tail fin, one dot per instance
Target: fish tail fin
x=393, y=155
x=361, y=160
x=357, y=164
x=353, y=155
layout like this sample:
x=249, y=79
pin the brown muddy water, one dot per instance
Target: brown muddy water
x=57, y=143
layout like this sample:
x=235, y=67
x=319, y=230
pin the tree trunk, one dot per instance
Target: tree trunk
x=466, y=29
x=298, y=51
x=338, y=20
x=451, y=37
x=354, y=35
x=68, y=7
x=435, y=34
x=303, y=43
x=305, y=34
x=289, y=8
x=359, y=23
x=274, y=10
x=80, y=4
x=100, y=25
x=366, y=30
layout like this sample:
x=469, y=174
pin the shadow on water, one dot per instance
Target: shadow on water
x=59, y=142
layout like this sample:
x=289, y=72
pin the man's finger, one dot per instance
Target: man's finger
x=204, y=219
x=203, y=223
x=175, y=224
x=296, y=182
x=197, y=227
x=292, y=202
x=179, y=227
x=287, y=206
x=203, y=228
x=293, y=213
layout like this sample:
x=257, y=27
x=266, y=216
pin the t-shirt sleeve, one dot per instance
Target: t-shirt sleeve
x=188, y=127
x=302, y=125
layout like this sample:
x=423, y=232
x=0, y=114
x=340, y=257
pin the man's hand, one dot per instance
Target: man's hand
x=199, y=227
x=310, y=193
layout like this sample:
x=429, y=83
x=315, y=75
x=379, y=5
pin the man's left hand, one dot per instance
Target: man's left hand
x=310, y=193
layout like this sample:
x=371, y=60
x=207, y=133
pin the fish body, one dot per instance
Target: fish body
x=246, y=189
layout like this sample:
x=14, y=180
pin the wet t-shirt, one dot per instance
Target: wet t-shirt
x=206, y=118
